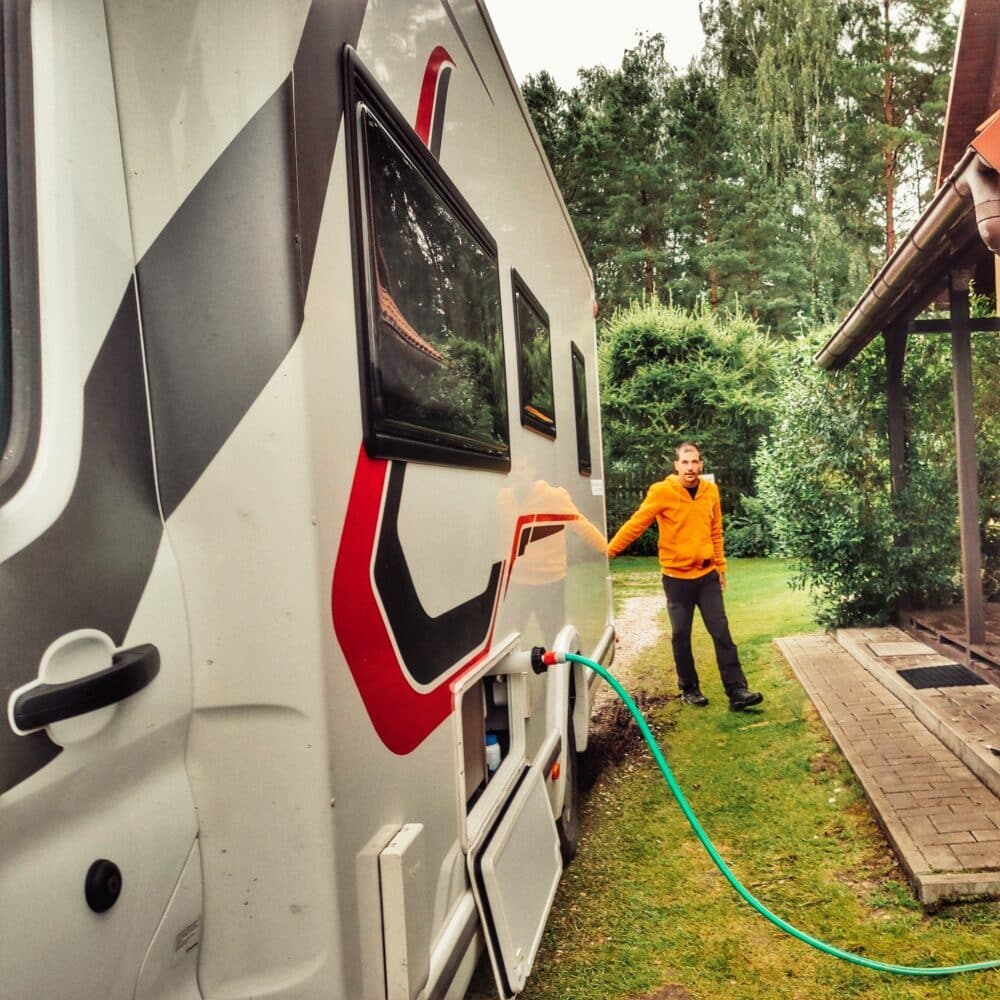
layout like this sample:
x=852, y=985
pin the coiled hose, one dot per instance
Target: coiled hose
x=541, y=659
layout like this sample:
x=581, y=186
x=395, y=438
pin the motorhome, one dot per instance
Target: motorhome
x=300, y=457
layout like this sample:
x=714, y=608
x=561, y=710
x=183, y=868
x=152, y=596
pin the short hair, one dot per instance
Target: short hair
x=684, y=446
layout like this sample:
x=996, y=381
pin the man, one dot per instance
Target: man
x=692, y=559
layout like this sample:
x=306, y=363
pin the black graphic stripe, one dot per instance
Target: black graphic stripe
x=223, y=286
x=90, y=568
x=440, y=103
x=428, y=646
x=319, y=108
x=220, y=297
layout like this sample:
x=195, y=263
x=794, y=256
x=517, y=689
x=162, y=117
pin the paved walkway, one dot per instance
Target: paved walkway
x=966, y=718
x=941, y=818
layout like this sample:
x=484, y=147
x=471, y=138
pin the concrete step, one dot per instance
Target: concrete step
x=941, y=819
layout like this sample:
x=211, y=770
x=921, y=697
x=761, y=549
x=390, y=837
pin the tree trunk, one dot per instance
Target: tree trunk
x=888, y=150
x=646, y=239
x=713, y=274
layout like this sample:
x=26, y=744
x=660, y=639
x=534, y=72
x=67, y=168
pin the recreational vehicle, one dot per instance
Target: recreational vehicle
x=300, y=458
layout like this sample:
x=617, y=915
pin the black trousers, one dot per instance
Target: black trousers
x=704, y=593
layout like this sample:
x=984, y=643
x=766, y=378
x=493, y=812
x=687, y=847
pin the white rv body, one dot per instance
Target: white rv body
x=271, y=558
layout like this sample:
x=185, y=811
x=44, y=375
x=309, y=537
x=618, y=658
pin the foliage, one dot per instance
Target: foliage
x=607, y=141
x=669, y=375
x=748, y=532
x=769, y=174
x=823, y=477
x=624, y=491
x=895, y=70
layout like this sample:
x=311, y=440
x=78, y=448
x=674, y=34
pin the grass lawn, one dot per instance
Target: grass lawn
x=643, y=909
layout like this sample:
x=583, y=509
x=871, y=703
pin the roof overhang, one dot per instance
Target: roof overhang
x=964, y=214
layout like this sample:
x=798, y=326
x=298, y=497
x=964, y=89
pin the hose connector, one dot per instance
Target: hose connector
x=542, y=659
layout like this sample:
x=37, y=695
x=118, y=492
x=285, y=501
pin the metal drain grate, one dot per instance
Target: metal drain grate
x=948, y=676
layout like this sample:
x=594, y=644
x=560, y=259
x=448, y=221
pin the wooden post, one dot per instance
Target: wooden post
x=965, y=447
x=895, y=353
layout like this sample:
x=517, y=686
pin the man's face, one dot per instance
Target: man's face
x=688, y=466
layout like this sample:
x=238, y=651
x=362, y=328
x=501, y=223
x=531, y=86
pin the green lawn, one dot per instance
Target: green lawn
x=643, y=907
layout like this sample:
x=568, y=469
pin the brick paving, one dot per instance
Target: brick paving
x=966, y=719
x=942, y=820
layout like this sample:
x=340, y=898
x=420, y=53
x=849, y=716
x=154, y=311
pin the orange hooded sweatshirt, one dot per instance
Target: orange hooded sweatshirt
x=690, y=529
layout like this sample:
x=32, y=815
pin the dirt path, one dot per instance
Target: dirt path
x=638, y=629
x=612, y=731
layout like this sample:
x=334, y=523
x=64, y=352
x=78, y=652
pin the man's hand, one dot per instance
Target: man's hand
x=722, y=581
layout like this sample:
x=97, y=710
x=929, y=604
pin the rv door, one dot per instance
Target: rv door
x=99, y=872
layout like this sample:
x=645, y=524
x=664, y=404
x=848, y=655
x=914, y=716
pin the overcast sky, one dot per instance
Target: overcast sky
x=563, y=35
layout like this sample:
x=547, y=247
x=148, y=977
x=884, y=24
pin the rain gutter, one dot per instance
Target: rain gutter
x=968, y=200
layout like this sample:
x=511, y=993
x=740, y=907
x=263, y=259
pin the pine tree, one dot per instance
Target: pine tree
x=895, y=81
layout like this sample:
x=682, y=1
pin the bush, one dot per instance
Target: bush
x=748, y=531
x=668, y=375
x=823, y=479
x=622, y=495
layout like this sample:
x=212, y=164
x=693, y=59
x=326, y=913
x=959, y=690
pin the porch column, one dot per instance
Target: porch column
x=965, y=447
x=895, y=353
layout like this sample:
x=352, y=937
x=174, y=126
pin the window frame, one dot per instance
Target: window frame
x=547, y=428
x=6, y=330
x=364, y=95
x=583, y=452
x=21, y=420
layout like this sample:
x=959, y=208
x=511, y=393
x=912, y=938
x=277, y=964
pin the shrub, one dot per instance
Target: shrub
x=823, y=479
x=748, y=531
x=668, y=375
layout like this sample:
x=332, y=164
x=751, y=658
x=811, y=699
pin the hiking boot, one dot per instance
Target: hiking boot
x=740, y=698
x=694, y=697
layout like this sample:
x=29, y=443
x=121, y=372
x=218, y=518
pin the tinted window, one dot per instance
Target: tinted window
x=580, y=404
x=435, y=381
x=534, y=361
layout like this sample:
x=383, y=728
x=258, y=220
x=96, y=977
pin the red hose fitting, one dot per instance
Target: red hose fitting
x=542, y=659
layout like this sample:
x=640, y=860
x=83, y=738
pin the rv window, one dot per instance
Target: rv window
x=436, y=377
x=534, y=361
x=580, y=404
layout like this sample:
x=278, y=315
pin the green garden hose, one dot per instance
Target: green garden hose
x=548, y=658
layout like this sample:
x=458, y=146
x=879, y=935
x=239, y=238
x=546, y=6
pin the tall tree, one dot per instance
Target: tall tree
x=777, y=66
x=607, y=141
x=768, y=174
x=776, y=60
x=895, y=85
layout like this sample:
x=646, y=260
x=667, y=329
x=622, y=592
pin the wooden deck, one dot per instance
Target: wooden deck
x=945, y=629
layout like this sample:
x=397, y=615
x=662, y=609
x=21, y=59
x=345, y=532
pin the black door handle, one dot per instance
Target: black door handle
x=130, y=671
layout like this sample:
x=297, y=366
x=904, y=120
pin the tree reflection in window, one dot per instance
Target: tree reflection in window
x=534, y=360
x=437, y=346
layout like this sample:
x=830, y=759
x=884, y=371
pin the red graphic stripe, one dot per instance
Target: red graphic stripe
x=402, y=717
x=439, y=58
